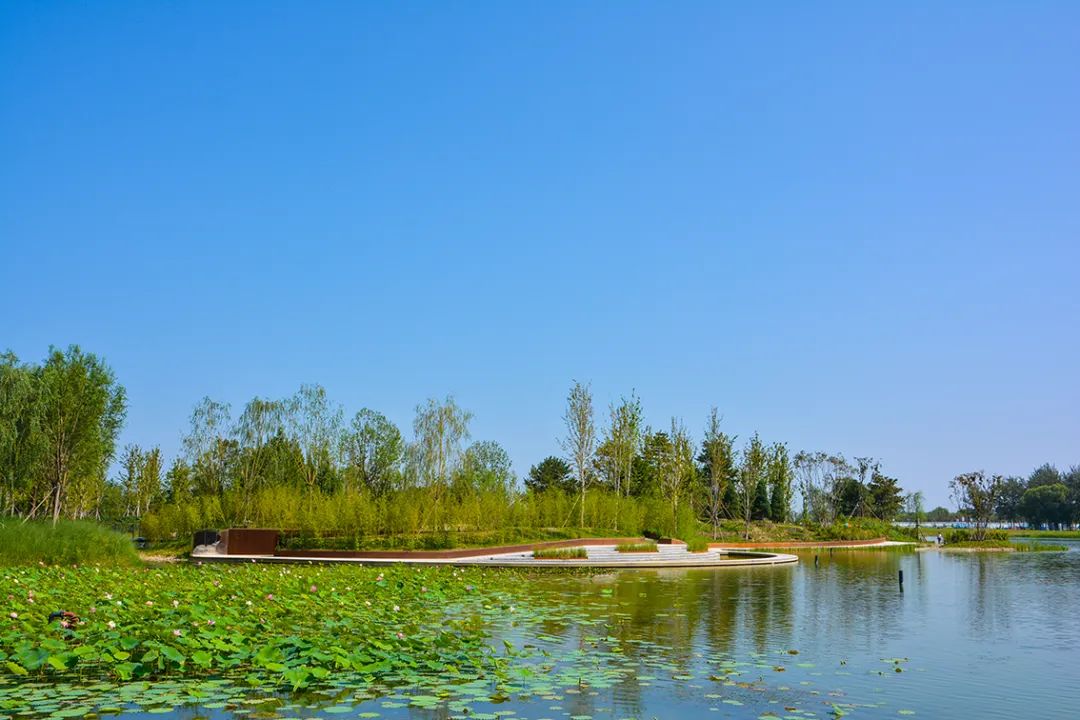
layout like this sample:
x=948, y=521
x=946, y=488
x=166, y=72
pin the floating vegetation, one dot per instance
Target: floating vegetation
x=266, y=641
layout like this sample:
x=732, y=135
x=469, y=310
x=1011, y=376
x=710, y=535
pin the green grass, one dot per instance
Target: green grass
x=576, y=553
x=1039, y=547
x=1059, y=534
x=638, y=547
x=67, y=543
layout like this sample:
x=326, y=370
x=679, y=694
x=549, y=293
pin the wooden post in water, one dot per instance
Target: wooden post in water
x=901, y=581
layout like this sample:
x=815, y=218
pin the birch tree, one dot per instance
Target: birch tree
x=580, y=441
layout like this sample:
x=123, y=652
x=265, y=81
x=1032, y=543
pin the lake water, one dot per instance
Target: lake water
x=968, y=635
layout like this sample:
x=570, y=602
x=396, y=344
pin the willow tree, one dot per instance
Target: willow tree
x=580, y=441
x=440, y=429
x=82, y=408
x=315, y=424
x=205, y=447
x=718, y=456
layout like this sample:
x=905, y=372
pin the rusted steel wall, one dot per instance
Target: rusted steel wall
x=248, y=541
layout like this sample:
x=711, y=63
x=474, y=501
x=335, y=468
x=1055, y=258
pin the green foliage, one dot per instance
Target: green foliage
x=955, y=536
x=66, y=543
x=550, y=473
x=575, y=553
x=697, y=544
x=58, y=427
x=637, y=547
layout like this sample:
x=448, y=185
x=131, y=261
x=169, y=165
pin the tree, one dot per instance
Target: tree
x=913, y=505
x=550, y=473
x=440, y=428
x=148, y=487
x=130, y=467
x=21, y=448
x=488, y=468
x=580, y=440
x=751, y=474
x=178, y=482
x=204, y=446
x=316, y=426
x=1008, y=502
x=81, y=412
x=676, y=469
x=1046, y=505
x=886, y=498
x=1045, y=474
x=373, y=449
x=813, y=471
x=261, y=421
x=939, y=514
x=780, y=480
x=976, y=493
x=718, y=460
x=624, y=443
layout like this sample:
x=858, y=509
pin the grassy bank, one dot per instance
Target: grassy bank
x=1058, y=534
x=66, y=543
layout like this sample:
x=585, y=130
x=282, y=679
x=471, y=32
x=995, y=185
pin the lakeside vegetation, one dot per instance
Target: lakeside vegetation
x=66, y=543
x=298, y=464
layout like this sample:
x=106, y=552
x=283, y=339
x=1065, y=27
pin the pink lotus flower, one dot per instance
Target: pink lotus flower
x=177, y=633
x=149, y=603
x=270, y=596
x=14, y=616
x=314, y=589
x=401, y=636
x=211, y=622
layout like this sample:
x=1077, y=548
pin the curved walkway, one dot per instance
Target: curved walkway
x=601, y=553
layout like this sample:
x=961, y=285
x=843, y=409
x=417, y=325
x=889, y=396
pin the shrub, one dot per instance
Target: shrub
x=638, y=547
x=69, y=542
x=698, y=544
x=576, y=553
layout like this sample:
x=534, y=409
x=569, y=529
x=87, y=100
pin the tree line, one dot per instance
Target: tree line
x=301, y=462
x=1048, y=498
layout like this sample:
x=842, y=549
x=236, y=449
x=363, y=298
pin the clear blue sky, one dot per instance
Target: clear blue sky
x=852, y=227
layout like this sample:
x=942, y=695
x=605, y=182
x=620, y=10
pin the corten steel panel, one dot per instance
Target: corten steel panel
x=248, y=541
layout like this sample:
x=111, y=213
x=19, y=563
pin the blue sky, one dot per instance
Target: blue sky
x=852, y=227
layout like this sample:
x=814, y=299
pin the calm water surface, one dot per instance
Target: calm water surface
x=972, y=635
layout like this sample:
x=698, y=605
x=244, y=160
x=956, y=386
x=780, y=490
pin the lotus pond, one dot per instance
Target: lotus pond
x=986, y=635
